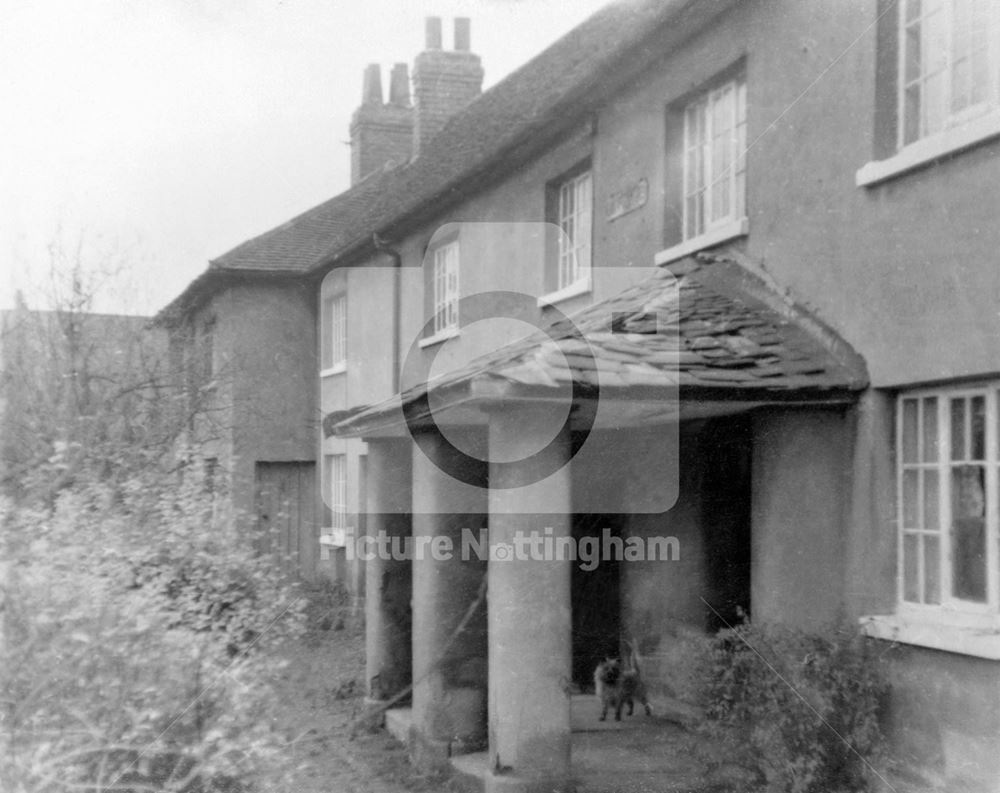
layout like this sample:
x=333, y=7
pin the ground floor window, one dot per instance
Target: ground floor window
x=337, y=473
x=948, y=453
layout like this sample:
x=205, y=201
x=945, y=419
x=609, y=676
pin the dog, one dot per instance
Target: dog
x=617, y=684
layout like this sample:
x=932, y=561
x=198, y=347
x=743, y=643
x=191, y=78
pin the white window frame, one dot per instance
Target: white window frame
x=703, y=177
x=951, y=610
x=960, y=129
x=334, y=324
x=944, y=10
x=445, y=266
x=575, y=213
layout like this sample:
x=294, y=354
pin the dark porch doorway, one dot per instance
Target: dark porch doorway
x=596, y=602
x=725, y=507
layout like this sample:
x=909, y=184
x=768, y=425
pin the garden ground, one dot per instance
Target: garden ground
x=321, y=702
x=321, y=695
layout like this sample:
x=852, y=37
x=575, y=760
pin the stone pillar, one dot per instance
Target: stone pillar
x=529, y=610
x=388, y=581
x=449, y=669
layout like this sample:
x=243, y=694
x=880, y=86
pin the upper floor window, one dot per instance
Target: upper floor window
x=939, y=77
x=569, y=211
x=334, y=342
x=715, y=133
x=575, y=221
x=948, y=63
x=444, y=278
x=948, y=474
x=199, y=354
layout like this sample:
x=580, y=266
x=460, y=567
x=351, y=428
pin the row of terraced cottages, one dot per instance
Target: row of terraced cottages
x=721, y=275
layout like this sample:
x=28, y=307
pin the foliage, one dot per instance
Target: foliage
x=799, y=709
x=88, y=396
x=136, y=641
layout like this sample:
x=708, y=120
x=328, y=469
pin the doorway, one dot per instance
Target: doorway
x=595, y=602
x=726, y=445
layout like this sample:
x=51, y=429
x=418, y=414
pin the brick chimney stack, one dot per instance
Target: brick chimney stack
x=381, y=134
x=444, y=81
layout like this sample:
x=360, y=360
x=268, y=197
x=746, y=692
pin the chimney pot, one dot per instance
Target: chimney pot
x=463, y=34
x=399, y=85
x=433, y=33
x=371, y=92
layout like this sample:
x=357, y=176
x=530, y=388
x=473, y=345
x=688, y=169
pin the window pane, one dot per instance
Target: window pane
x=327, y=319
x=935, y=43
x=933, y=104
x=909, y=431
x=930, y=419
x=958, y=429
x=910, y=500
x=911, y=560
x=911, y=114
x=932, y=500
x=960, y=93
x=968, y=538
x=977, y=436
x=912, y=44
x=932, y=569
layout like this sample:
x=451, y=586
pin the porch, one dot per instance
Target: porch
x=656, y=414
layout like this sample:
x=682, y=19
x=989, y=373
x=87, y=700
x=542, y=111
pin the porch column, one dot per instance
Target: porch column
x=529, y=610
x=449, y=668
x=388, y=586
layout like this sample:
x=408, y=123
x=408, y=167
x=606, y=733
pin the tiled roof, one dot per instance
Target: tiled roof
x=705, y=327
x=516, y=118
x=297, y=245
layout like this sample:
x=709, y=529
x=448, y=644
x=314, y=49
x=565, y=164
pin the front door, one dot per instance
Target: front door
x=285, y=502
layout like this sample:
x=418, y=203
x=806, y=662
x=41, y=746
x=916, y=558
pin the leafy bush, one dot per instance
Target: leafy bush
x=799, y=710
x=135, y=643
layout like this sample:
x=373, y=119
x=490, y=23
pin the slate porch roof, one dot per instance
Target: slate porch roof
x=703, y=328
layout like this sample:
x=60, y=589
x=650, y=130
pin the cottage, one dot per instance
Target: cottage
x=745, y=254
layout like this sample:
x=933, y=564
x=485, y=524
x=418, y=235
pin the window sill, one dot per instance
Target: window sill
x=730, y=231
x=338, y=368
x=437, y=338
x=581, y=287
x=929, y=149
x=979, y=642
x=334, y=538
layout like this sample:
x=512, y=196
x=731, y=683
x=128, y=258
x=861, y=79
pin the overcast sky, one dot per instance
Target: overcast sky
x=162, y=133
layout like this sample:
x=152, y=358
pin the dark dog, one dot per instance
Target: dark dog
x=616, y=685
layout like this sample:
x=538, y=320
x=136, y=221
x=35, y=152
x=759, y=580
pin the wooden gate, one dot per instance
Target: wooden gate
x=285, y=506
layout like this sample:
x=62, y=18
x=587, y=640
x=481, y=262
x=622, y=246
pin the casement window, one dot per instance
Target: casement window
x=206, y=352
x=199, y=355
x=948, y=473
x=948, y=58
x=334, y=342
x=938, y=80
x=337, y=475
x=575, y=213
x=334, y=488
x=715, y=134
x=444, y=284
x=569, y=209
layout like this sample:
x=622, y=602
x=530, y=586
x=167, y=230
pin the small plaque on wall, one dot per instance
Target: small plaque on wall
x=628, y=199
